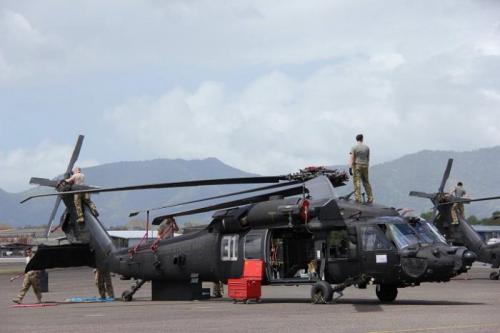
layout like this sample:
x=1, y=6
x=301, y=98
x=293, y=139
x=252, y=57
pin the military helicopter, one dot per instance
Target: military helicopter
x=462, y=233
x=298, y=227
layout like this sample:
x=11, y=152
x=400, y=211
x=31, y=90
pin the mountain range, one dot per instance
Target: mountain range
x=391, y=182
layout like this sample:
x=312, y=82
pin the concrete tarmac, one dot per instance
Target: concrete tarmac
x=459, y=306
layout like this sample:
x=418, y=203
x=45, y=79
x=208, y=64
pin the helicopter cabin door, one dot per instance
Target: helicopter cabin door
x=378, y=255
x=342, y=256
x=290, y=257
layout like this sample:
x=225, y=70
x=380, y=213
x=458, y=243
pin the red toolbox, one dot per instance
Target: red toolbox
x=249, y=285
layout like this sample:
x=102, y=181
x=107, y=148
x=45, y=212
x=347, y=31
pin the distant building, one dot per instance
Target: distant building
x=128, y=238
x=13, y=249
x=487, y=231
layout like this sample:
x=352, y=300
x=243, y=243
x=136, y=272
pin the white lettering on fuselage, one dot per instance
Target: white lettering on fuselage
x=381, y=258
x=229, y=248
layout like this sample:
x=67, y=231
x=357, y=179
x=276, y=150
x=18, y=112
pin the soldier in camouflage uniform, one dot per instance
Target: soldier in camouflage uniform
x=218, y=289
x=77, y=179
x=457, y=209
x=358, y=168
x=104, y=283
x=167, y=228
x=31, y=279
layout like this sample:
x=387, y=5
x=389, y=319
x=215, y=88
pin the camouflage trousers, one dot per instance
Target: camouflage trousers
x=104, y=284
x=218, y=289
x=31, y=279
x=457, y=212
x=78, y=200
x=361, y=175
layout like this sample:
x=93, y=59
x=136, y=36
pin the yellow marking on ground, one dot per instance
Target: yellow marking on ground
x=427, y=329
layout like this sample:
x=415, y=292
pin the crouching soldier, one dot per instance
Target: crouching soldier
x=218, y=289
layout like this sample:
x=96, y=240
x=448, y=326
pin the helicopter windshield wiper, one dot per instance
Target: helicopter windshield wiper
x=347, y=196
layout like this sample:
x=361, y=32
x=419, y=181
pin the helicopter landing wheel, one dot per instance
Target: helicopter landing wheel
x=321, y=292
x=386, y=293
x=494, y=275
x=127, y=296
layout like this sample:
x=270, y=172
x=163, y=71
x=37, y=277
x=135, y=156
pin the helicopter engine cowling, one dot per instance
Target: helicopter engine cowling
x=273, y=213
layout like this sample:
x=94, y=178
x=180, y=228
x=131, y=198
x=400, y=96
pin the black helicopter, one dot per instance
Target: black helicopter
x=298, y=227
x=462, y=233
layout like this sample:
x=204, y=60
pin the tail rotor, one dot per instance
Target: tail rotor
x=71, y=164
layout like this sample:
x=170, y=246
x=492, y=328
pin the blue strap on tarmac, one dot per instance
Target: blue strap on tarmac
x=88, y=299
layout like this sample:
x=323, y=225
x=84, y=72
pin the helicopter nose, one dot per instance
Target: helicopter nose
x=468, y=258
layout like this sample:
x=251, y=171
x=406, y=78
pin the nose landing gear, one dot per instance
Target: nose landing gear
x=386, y=293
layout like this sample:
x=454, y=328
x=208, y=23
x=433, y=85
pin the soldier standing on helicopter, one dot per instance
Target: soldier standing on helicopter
x=358, y=169
x=78, y=178
x=457, y=210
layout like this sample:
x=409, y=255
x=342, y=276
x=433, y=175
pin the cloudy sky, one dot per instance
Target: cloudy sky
x=265, y=86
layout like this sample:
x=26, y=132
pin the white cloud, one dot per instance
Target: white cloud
x=119, y=35
x=267, y=86
x=278, y=123
x=47, y=160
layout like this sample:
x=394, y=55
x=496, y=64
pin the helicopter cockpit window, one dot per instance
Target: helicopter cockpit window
x=428, y=233
x=403, y=235
x=373, y=239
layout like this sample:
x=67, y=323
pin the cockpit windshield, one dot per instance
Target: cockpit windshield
x=403, y=235
x=428, y=233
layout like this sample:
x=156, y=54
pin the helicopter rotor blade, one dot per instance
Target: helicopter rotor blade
x=43, y=182
x=52, y=216
x=422, y=195
x=216, y=197
x=434, y=213
x=463, y=200
x=53, y=183
x=75, y=154
x=297, y=189
x=446, y=175
x=203, y=182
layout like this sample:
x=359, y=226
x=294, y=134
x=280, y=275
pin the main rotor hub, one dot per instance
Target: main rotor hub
x=336, y=176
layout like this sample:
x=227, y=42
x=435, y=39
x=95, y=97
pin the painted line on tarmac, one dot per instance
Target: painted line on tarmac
x=426, y=329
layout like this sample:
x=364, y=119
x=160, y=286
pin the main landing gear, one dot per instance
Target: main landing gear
x=127, y=295
x=321, y=292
